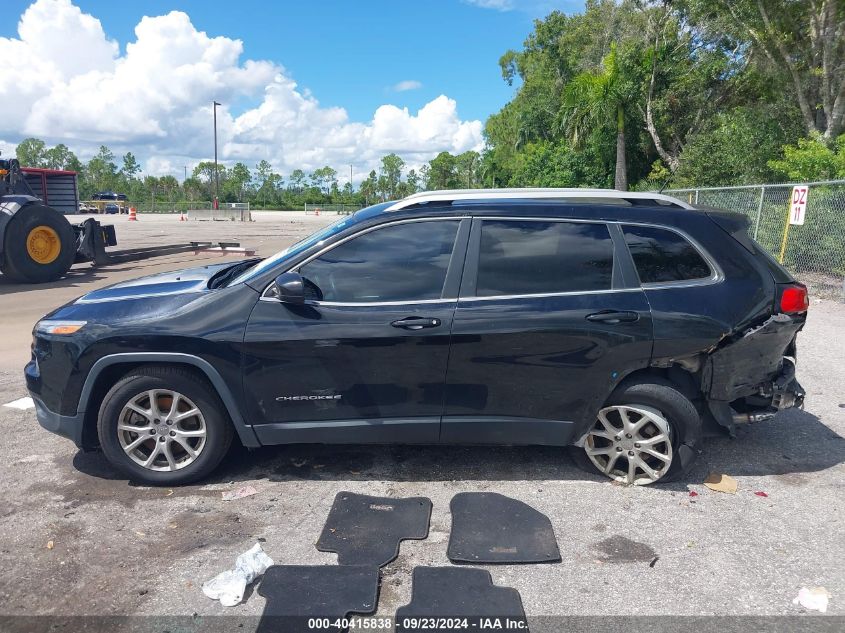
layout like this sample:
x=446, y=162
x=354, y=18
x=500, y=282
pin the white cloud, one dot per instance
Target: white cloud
x=408, y=84
x=498, y=5
x=69, y=83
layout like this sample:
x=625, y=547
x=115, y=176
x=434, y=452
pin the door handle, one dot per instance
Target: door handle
x=416, y=323
x=613, y=316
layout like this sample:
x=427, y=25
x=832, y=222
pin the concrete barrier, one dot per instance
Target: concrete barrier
x=234, y=215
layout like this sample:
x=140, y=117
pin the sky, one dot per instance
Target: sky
x=302, y=84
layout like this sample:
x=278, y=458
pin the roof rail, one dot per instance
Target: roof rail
x=584, y=195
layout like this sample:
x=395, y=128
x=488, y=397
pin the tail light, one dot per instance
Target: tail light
x=794, y=299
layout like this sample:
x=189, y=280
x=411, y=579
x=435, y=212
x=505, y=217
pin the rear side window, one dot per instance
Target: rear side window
x=520, y=257
x=661, y=255
x=403, y=262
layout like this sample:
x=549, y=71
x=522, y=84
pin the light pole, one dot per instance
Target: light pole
x=216, y=172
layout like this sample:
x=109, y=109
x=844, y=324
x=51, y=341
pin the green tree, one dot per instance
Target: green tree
x=369, y=187
x=238, y=180
x=467, y=169
x=390, y=175
x=60, y=157
x=425, y=177
x=130, y=168
x=801, y=42
x=443, y=172
x=735, y=147
x=194, y=188
x=205, y=173
x=597, y=99
x=168, y=186
x=267, y=181
x=31, y=152
x=297, y=180
x=102, y=170
x=323, y=179
x=812, y=159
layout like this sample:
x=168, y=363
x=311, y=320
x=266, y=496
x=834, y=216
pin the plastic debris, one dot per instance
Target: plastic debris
x=721, y=483
x=239, y=493
x=49, y=544
x=693, y=493
x=760, y=493
x=814, y=598
x=228, y=587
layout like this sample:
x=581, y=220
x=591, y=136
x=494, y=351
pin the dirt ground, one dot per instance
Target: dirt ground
x=76, y=539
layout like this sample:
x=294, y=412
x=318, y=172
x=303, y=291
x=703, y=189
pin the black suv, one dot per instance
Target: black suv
x=618, y=323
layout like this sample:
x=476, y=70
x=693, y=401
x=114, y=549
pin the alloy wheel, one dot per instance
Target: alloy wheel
x=630, y=444
x=161, y=430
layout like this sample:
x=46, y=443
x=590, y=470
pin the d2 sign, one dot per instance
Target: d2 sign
x=798, y=206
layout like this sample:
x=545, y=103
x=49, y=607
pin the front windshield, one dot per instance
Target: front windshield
x=290, y=251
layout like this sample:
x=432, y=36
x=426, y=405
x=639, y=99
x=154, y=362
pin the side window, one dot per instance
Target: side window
x=661, y=255
x=403, y=262
x=523, y=257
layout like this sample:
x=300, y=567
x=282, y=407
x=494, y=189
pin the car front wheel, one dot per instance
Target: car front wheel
x=163, y=426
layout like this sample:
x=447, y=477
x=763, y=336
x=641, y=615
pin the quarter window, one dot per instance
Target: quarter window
x=535, y=257
x=403, y=262
x=661, y=255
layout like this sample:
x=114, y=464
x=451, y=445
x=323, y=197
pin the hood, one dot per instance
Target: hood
x=180, y=282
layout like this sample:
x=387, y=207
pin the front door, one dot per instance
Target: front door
x=546, y=325
x=364, y=360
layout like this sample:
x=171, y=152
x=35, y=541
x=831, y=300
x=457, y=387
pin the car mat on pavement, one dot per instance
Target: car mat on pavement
x=365, y=530
x=444, y=593
x=491, y=528
x=297, y=593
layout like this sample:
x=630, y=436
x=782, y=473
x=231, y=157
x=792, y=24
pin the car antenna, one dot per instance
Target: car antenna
x=666, y=182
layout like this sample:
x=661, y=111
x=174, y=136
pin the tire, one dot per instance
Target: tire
x=654, y=404
x=39, y=245
x=208, y=434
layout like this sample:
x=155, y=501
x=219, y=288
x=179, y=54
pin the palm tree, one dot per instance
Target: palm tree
x=596, y=99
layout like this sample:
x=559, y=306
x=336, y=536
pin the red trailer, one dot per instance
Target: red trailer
x=57, y=188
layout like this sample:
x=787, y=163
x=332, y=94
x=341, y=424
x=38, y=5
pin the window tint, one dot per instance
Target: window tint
x=662, y=255
x=531, y=257
x=404, y=262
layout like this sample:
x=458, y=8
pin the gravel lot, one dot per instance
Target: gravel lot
x=120, y=549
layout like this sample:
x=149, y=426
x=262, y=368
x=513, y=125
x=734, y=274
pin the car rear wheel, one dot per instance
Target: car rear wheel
x=630, y=444
x=163, y=426
x=637, y=435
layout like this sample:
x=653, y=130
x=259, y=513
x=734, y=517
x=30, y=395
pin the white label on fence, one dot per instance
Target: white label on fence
x=798, y=208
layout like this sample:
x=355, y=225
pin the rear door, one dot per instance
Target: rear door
x=548, y=321
x=365, y=359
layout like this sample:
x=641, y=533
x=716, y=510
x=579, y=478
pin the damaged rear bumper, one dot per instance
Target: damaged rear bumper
x=787, y=393
x=752, y=377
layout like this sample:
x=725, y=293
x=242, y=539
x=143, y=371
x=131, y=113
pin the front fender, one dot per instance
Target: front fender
x=244, y=430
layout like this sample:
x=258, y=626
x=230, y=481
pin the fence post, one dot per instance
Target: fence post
x=759, y=210
x=696, y=196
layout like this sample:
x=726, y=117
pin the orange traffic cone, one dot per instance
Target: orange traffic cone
x=132, y=215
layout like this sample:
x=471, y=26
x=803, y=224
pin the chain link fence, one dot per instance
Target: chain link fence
x=815, y=251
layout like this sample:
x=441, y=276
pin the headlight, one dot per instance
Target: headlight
x=59, y=327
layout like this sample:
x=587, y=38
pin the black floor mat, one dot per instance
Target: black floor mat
x=366, y=530
x=439, y=594
x=297, y=593
x=490, y=528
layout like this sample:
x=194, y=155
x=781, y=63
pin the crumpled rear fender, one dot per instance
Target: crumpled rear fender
x=740, y=366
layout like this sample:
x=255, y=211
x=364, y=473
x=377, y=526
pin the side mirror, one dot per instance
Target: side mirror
x=289, y=288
